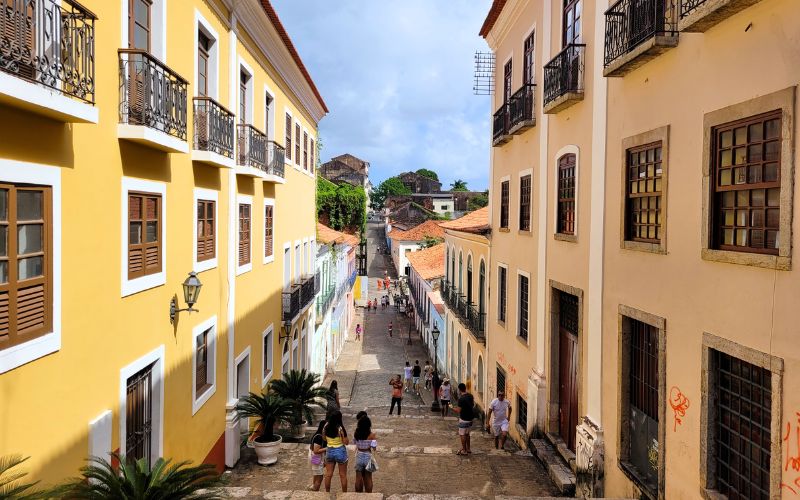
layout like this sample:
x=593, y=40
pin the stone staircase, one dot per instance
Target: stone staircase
x=558, y=460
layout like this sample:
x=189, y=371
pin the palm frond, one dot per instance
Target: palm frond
x=302, y=388
x=11, y=484
x=267, y=408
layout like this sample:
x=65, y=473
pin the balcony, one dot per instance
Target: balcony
x=324, y=301
x=258, y=156
x=291, y=303
x=563, y=79
x=521, y=109
x=636, y=32
x=500, y=134
x=47, y=59
x=152, y=102
x=275, y=162
x=697, y=16
x=307, y=291
x=213, y=133
x=467, y=314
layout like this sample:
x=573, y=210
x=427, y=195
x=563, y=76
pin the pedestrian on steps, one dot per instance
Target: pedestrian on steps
x=444, y=396
x=358, y=331
x=333, y=399
x=501, y=409
x=337, y=441
x=466, y=414
x=316, y=456
x=390, y=328
x=428, y=372
x=407, y=375
x=366, y=442
x=397, y=393
x=416, y=373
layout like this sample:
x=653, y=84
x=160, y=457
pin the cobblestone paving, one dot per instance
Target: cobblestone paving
x=416, y=452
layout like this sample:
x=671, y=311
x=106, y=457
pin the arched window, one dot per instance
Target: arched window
x=566, y=194
x=285, y=357
x=295, y=350
x=468, y=376
x=447, y=265
x=480, y=376
x=460, y=273
x=469, y=279
x=453, y=266
x=482, y=288
x=460, y=374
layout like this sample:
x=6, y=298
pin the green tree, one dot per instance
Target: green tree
x=430, y=241
x=459, y=185
x=345, y=205
x=390, y=187
x=478, y=201
x=430, y=174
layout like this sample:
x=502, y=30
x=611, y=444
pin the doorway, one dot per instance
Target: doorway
x=567, y=367
x=243, y=385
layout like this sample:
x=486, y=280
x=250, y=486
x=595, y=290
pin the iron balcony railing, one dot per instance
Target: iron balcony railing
x=564, y=73
x=213, y=127
x=629, y=23
x=317, y=283
x=291, y=302
x=689, y=6
x=500, y=127
x=467, y=313
x=252, y=147
x=49, y=42
x=307, y=291
x=151, y=94
x=275, y=158
x=521, y=106
x=324, y=301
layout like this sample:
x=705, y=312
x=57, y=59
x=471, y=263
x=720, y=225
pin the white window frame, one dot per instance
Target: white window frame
x=527, y=275
x=268, y=202
x=295, y=351
x=523, y=173
x=267, y=363
x=209, y=325
x=503, y=323
x=158, y=33
x=286, y=357
x=46, y=175
x=244, y=199
x=249, y=112
x=570, y=148
x=306, y=257
x=202, y=24
x=287, y=111
x=210, y=195
x=156, y=358
x=298, y=261
x=269, y=125
x=287, y=265
x=142, y=283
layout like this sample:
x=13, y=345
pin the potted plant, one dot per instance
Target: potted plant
x=137, y=479
x=300, y=388
x=269, y=410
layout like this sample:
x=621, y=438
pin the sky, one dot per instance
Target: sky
x=397, y=78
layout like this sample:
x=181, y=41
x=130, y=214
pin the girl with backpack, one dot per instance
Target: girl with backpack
x=316, y=456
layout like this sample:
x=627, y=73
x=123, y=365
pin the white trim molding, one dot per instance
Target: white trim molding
x=210, y=195
x=269, y=118
x=151, y=137
x=45, y=101
x=46, y=175
x=249, y=109
x=136, y=285
x=244, y=199
x=527, y=275
x=267, y=363
x=209, y=325
x=269, y=202
x=202, y=24
x=156, y=359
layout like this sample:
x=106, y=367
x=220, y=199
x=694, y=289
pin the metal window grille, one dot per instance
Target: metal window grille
x=501, y=379
x=566, y=194
x=644, y=193
x=483, y=83
x=642, y=429
x=522, y=412
x=501, y=306
x=568, y=312
x=644, y=368
x=139, y=416
x=525, y=203
x=504, y=204
x=523, y=307
x=742, y=427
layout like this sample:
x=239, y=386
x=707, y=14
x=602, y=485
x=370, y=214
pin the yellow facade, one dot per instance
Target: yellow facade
x=104, y=328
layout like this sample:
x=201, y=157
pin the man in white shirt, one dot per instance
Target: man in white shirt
x=501, y=409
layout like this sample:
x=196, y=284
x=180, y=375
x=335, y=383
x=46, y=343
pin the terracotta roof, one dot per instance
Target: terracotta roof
x=476, y=221
x=273, y=17
x=431, y=228
x=428, y=263
x=491, y=18
x=327, y=235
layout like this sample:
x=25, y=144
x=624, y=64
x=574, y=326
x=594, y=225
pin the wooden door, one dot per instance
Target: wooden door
x=139, y=38
x=568, y=368
x=139, y=416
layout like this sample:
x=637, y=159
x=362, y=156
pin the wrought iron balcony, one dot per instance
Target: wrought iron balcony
x=500, y=128
x=252, y=147
x=324, y=301
x=636, y=32
x=151, y=94
x=291, y=302
x=51, y=43
x=697, y=16
x=213, y=127
x=275, y=159
x=307, y=291
x=521, y=109
x=563, y=79
x=469, y=316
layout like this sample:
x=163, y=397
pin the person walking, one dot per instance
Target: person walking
x=316, y=456
x=390, y=328
x=407, y=375
x=436, y=383
x=428, y=372
x=336, y=440
x=416, y=373
x=466, y=414
x=397, y=394
x=501, y=409
x=444, y=396
x=358, y=331
x=366, y=442
x=332, y=398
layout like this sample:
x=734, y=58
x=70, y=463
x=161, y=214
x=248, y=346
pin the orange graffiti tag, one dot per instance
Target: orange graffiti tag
x=792, y=461
x=679, y=403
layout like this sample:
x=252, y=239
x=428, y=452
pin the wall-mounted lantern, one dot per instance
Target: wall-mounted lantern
x=191, y=291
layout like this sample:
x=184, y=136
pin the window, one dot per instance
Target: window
x=522, y=327
x=747, y=184
x=26, y=305
x=446, y=265
x=643, y=203
x=525, y=203
x=742, y=399
x=268, y=231
x=139, y=416
x=501, y=297
x=266, y=351
x=507, y=82
x=297, y=143
x=243, y=79
x=203, y=50
x=287, y=266
x=522, y=412
x=311, y=164
x=201, y=362
x=305, y=150
x=480, y=377
x=572, y=21
x=144, y=234
x=504, y=205
x=529, y=64
x=139, y=24
x=469, y=279
x=244, y=234
x=501, y=379
x=285, y=357
x=206, y=246
x=460, y=272
x=288, y=136
x=566, y=195
x=481, y=290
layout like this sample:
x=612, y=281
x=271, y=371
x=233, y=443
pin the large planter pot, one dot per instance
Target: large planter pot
x=299, y=430
x=268, y=452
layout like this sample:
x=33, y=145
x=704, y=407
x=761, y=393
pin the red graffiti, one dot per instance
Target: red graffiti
x=679, y=403
x=792, y=460
x=509, y=367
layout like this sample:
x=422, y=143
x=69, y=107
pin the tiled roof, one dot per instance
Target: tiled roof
x=476, y=221
x=491, y=18
x=273, y=17
x=327, y=235
x=428, y=263
x=428, y=229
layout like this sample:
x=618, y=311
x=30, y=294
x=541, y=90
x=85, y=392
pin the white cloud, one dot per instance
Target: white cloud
x=397, y=77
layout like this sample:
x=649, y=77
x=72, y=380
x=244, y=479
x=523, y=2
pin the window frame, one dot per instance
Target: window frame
x=203, y=64
x=508, y=80
x=521, y=402
x=287, y=136
x=267, y=355
x=211, y=263
x=269, y=202
x=311, y=165
x=209, y=327
x=502, y=294
x=141, y=283
x=527, y=318
x=305, y=150
x=244, y=200
x=525, y=207
x=562, y=219
x=297, y=132
x=529, y=58
x=505, y=204
x=576, y=38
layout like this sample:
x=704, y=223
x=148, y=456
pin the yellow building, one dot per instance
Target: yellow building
x=143, y=140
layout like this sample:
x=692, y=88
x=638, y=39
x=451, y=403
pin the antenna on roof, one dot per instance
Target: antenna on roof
x=484, y=74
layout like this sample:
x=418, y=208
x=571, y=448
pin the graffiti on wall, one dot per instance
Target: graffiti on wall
x=679, y=403
x=501, y=358
x=792, y=462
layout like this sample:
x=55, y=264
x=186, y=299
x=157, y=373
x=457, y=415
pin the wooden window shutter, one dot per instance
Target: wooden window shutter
x=144, y=234
x=206, y=247
x=244, y=234
x=268, y=231
x=288, y=134
x=201, y=362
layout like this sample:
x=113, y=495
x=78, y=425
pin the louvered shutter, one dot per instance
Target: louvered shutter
x=268, y=231
x=17, y=28
x=244, y=234
x=144, y=234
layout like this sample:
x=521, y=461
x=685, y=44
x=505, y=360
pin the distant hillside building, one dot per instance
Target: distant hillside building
x=350, y=169
x=417, y=183
x=441, y=203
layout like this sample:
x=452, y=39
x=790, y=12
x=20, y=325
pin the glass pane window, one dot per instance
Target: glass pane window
x=566, y=194
x=643, y=200
x=504, y=200
x=525, y=203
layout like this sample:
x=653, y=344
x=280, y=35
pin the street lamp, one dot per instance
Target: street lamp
x=191, y=291
x=435, y=334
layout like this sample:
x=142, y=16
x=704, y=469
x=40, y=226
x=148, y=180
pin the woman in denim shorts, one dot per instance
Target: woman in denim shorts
x=365, y=445
x=336, y=438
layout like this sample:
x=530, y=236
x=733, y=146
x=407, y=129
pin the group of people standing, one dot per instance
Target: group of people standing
x=329, y=447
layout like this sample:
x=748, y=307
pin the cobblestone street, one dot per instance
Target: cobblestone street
x=416, y=452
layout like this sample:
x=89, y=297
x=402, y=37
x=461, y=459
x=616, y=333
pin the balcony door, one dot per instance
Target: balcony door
x=572, y=21
x=139, y=38
x=139, y=416
x=568, y=368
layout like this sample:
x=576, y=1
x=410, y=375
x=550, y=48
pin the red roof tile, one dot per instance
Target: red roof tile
x=428, y=263
x=491, y=18
x=327, y=235
x=428, y=229
x=476, y=221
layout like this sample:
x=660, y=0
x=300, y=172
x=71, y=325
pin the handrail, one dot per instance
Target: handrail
x=159, y=62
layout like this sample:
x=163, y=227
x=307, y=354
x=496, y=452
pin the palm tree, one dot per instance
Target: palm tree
x=458, y=185
x=300, y=387
x=268, y=409
x=11, y=486
x=136, y=481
